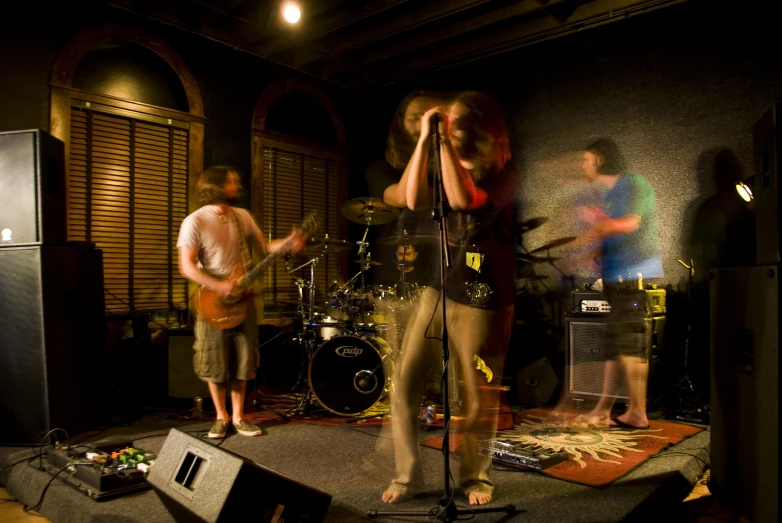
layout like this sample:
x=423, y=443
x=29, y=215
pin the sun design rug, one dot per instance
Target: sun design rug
x=598, y=457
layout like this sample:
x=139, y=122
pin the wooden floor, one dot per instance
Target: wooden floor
x=699, y=507
x=13, y=511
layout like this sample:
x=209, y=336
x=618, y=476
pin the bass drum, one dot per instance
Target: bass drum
x=347, y=374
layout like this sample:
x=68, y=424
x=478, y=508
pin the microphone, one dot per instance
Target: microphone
x=435, y=123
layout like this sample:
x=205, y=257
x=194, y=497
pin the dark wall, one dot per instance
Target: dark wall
x=673, y=87
x=231, y=81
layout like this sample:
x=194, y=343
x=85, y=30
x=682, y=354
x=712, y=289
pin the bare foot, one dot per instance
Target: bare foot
x=394, y=494
x=588, y=422
x=479, y=498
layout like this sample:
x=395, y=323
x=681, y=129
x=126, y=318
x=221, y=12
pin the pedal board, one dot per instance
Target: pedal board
x=106, y=477
x=520, y=455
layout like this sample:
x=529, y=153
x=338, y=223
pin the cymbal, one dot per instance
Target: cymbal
x=532, y=223
x=369, y=261
x=335, y=245
x=407, y=239
x=556, y=243
x=526, y=258
x=369, y=210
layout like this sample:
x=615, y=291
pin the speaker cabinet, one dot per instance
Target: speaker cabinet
x=536, y=382
x=182, y=379
x=198, y=481
x=51, y=336
x=586, y=355
x=766, y=190
x=745, y=390
x=32, y=189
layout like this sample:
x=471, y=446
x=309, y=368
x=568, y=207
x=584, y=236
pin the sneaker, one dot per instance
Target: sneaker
x=218, y=430
x=247, y=429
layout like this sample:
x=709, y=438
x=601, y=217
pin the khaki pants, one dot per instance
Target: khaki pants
x=470, y=332
x=224, y=355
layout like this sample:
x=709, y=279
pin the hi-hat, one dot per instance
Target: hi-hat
x=556, y=243
x=368, y=261
x=315, y=244
x=408, y=239
x=373, y=211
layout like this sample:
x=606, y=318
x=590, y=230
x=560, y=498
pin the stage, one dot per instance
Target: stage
x=354, y=464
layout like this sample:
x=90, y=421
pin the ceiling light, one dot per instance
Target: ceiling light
x=291, y=13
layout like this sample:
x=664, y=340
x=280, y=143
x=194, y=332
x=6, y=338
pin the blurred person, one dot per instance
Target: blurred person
x=480, y=183
x=626, y=232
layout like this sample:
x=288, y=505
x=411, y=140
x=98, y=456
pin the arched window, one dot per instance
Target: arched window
x=299, y=165
x=131, y=117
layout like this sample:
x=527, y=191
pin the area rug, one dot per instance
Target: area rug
x=598, y=456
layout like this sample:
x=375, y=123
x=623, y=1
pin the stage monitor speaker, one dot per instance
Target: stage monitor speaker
x=198, y=481
x=32, y=189
x=745, y=390
x=536, y=382
x=182, y=379
x=51, y=340
x=586, y=355
x=767, y=138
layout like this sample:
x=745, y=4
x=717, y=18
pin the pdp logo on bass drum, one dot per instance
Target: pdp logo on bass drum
x=346, y=351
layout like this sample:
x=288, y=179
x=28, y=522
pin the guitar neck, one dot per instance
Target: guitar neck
x=256, y=271
x=309, y=224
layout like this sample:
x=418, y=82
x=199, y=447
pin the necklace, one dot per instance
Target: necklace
x=223, y=215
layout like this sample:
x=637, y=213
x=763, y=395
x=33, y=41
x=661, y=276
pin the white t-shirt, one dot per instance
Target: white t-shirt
x=219, y=250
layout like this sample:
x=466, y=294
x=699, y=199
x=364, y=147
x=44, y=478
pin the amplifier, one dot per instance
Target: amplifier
x=586, y=338
x=596, y=302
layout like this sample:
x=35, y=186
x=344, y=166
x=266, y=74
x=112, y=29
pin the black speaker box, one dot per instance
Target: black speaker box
x=51, y=339
x=32, y=189
x=586, y=338
x=182, y=379
x=745, y=390
x=767, y=190
x=198, y=481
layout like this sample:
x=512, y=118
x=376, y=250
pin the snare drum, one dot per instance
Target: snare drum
x=379, y=307
x=327, y=326
x=347, y=373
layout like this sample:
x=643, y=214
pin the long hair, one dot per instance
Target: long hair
x=485, y=132
x=400, y=145
x=210, y=184
x=611, y=159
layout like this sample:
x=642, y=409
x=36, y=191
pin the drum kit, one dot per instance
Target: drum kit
x=350, y=342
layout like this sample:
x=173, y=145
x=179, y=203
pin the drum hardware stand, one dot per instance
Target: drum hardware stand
x=448, y=511
x=306, y=336
x=683, y=390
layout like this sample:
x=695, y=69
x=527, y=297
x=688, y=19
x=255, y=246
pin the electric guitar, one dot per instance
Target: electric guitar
x=223, y=312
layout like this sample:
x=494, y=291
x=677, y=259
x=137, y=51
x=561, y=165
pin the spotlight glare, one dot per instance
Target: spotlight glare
x=744, y=191
x=291, y=13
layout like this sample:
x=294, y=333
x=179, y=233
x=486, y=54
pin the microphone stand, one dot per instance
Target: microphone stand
x=448, y=511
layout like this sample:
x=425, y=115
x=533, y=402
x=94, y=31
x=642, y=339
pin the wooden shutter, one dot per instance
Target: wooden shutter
x=127, y=192
x=295, y=183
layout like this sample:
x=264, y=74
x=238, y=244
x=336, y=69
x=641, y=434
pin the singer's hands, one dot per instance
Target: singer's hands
x=426, y=123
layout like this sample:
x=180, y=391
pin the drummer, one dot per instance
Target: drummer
x=407, y=258
x=383, y=176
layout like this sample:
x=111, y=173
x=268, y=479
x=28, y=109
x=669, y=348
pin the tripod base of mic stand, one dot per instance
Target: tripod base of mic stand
x=685, y=404
x=449, y=512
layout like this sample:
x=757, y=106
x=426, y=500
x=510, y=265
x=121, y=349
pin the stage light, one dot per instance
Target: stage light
x=291, y=13
x=744, y=191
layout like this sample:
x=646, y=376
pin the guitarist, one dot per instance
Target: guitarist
x=212, y=242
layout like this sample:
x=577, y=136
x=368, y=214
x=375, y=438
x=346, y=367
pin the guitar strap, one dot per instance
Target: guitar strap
x=244, y=248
